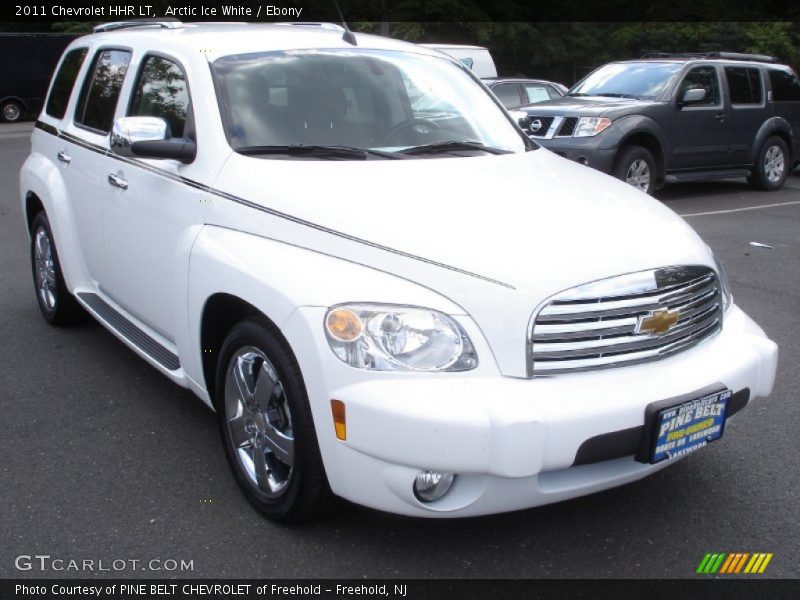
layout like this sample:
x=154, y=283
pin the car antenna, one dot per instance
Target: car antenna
x=347, y=36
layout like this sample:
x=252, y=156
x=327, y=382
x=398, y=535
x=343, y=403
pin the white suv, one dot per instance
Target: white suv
x=416, y=309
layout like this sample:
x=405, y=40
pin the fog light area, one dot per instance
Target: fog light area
x=430, y=486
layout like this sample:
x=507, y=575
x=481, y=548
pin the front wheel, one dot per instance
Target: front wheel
x=635, y=166
x=772, y=166
x=266, y=425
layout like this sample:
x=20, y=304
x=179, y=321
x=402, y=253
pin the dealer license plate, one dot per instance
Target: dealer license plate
x=689, y=426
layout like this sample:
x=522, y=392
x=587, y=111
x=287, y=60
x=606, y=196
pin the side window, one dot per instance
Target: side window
x=64, y=82
x=100, y=91
x=744, y=85
x=703, y=78
x=537, y=93
x=785, y=86
x=554, y=93
x=161, y=92
x=508, y=94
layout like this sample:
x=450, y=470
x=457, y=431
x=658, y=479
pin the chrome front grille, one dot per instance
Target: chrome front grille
x=619, y=321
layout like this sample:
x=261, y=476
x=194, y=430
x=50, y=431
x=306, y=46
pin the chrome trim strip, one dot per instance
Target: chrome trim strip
x=200, y=186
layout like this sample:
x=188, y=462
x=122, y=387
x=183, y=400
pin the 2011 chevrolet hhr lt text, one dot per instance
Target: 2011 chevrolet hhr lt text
x=388, y=292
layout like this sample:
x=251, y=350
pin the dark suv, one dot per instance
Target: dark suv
x=681, y=117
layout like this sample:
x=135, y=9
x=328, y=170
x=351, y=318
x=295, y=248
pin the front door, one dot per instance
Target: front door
x=700, y=131
x=150, y=214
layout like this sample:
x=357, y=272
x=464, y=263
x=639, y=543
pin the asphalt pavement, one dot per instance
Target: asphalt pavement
x=103, y=458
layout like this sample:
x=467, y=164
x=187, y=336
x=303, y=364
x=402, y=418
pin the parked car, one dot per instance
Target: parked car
x=514, y=92
x=477, y=58
x=377, y=305
x=27, y=60
x=682, y=117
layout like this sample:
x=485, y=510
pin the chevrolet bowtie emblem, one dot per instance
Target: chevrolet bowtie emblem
x=658, y=321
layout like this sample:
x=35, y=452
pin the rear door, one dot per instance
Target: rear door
x=82, y=151
x=699, y=132
x=748, y=109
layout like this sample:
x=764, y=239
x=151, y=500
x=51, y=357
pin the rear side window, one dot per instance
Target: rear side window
x=162, y=92
x=744, y=85
x=64, y=82
x=508, y=94
x=100, y=91
x=785, y=86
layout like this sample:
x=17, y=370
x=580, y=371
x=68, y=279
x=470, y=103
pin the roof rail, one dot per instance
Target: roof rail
x=714, y=55
x=319, y=25
x=165, y=23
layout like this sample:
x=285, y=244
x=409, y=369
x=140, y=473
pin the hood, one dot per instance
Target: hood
x=585, y=106
x=494, y=234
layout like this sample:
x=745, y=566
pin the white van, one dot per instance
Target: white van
x=477, y=58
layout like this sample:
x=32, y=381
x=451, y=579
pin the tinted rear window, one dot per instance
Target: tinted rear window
x=64, y=82
x=785, y=86
x=101, y=89
x=744, y=85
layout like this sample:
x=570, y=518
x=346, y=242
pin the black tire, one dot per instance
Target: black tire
x=305, y=491
x=763, y=175
x=627, y=162
x=58, y=306
x=11, y=111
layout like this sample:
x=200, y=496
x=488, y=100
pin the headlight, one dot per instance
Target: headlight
x=398, y=338
x=724, y=285
x=589, y=126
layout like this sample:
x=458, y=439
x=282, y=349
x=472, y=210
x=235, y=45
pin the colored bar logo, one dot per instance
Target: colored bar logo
x=734, y=563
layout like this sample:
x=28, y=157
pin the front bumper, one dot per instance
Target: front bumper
x=512, y=442
x=585, y=150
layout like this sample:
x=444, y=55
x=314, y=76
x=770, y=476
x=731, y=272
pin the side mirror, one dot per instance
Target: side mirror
x=521, y=117
x=693, y=96
x=148, y=137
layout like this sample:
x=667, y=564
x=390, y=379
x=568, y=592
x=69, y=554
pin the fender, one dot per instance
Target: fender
x=628, y=126
x=268, y=275
x=40, y=176
x=768, y=128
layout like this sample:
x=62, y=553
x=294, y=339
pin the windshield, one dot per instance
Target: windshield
x=644, y=80
x=356, y=98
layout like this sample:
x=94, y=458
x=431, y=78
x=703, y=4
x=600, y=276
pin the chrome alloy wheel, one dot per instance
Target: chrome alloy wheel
x=638, y=174
x=11, y=112
x=45, y=269
x=259, y=421
x=774, y=164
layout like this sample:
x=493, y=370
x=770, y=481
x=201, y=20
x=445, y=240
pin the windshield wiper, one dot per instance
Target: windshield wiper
x=452, y=145
x=615, y=95
x=316, y=151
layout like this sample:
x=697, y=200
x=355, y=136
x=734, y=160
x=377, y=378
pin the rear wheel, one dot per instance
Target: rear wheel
x=772, y=166
x=635, y=166
x=57, y=305
x=11, y=111
x=266, y=425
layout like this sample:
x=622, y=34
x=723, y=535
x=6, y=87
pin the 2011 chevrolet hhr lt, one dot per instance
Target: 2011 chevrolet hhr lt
x=346, y=247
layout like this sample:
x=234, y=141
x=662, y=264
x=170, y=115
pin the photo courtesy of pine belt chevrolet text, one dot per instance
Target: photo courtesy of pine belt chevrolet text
x=334, y=241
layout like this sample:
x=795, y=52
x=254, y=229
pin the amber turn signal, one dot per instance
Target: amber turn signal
x=339, y=422
x=344, y=325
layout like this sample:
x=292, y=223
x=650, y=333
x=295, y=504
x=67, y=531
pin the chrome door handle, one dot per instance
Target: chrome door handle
x=118, y=181
x=64, y=157
x=720, y=117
